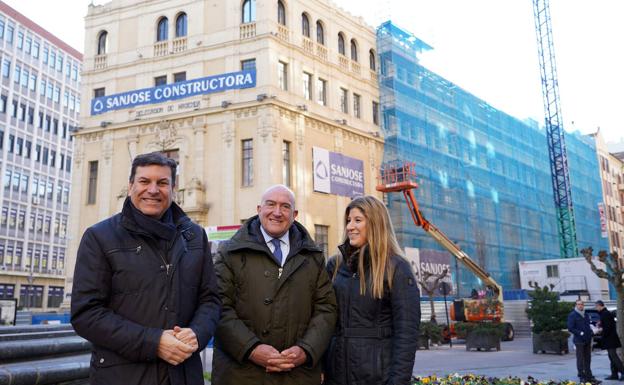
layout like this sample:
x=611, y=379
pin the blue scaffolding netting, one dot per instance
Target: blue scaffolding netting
x=484, y=176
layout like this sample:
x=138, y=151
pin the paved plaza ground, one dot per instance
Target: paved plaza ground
x=515, y=358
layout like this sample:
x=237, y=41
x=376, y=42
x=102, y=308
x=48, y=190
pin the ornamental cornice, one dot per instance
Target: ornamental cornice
x=246, y=112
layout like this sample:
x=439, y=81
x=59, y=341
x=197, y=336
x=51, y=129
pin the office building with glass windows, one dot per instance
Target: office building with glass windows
x=39, y=107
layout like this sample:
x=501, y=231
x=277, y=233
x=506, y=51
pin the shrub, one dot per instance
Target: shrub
x=462, y=329
x=432, y=331
x=546, y=312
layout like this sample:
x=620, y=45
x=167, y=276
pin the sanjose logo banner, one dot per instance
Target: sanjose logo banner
x=337, y=174
x=207, y=85
x=430, y=261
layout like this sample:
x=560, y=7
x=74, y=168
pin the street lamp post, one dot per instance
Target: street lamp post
x=30, y=280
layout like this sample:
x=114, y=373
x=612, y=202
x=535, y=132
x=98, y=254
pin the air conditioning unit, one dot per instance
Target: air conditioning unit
x=36, y=200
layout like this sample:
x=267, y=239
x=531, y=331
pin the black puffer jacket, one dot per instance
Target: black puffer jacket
x=376, y=339
x=124, y=297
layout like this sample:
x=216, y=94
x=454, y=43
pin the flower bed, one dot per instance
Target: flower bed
x=471, y=379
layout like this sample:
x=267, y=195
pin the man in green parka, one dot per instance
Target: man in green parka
x=279, y=309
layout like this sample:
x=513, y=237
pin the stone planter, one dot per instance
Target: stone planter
x=482, y=341
x=542, y=344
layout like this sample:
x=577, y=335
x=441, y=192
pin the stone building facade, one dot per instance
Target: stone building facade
x=314, y=70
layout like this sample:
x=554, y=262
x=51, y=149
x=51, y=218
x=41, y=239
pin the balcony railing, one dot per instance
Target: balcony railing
x=321, y=51
x=247, y=30
x=373, y=75
x=283, y=32
x=100, y=62
x=343, y=61
x=179, y=44
x=308, y=45
x=161, y=48
x=355, y=67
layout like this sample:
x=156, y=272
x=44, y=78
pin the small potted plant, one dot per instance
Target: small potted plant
x=430, y=333
x=548, y=317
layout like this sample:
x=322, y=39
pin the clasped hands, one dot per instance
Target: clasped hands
x=177, y=344
x=274, y=361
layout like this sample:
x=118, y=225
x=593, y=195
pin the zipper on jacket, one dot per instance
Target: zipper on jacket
x=137, y=250
x=167, y=265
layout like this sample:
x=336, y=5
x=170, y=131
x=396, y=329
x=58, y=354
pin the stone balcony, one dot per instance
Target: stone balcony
x=179, y=44
x=343, y=62
x=161, y=48
x=283, y=33
x=307, y=45
x=247, y=30
x=99, y=62
x=373, y=76
x=321, y=51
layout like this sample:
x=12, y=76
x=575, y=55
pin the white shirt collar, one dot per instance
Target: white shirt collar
x=267, y=238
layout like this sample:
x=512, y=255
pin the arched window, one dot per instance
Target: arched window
x=249, y=11
x=320, y=33
x=372, y=60
x=341, y=44
x=305, y=25
x=354, y=50
x=181, y=25
x=162, y=33
x=101, y=43
x=281, y=13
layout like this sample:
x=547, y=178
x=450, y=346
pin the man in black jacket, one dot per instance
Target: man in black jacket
x=145, y=291
x=279, y=308
x=610, y=340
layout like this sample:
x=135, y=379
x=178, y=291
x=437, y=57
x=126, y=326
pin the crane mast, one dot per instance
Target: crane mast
x=554, y=131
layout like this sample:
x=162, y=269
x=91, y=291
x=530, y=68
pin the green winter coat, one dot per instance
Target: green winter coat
x=262, y=306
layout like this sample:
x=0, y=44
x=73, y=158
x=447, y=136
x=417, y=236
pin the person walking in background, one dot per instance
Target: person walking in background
x=279, y=309
x=378, y=302
x=610, y=341
x=145, y=292
x=578, y=325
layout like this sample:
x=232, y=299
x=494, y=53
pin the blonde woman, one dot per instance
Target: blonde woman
x=378, y=302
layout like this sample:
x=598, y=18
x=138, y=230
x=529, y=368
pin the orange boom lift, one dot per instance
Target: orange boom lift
x=401, y=177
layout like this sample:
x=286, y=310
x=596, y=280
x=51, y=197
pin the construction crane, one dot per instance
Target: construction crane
x=401, y=177
x=554, y=131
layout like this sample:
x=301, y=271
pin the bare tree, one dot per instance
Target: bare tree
x=429, y=285
x=613, y=273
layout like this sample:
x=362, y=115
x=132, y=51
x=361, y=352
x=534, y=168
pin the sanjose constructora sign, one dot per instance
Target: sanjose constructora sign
x=337, y=174
x=207, y=85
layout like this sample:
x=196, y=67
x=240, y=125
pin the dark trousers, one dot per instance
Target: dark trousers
x=616, y=363
x=583, y=361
